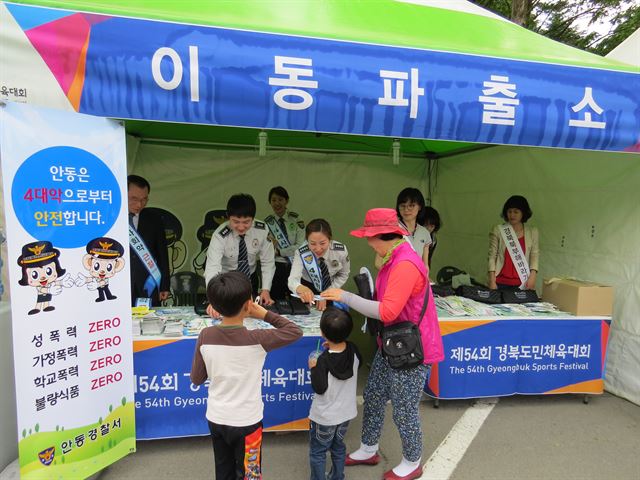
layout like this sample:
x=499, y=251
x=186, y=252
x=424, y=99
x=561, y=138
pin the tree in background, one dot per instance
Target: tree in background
x=573, y=22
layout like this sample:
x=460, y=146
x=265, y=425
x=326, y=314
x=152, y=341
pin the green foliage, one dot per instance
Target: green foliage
x=57, y=428
x=110, y=408
x=24, y=433
x=37, y=427
x=29, y=431
x=578, y=23
x=123, y=401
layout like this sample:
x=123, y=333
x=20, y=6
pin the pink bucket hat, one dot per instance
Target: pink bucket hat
x=378, y=221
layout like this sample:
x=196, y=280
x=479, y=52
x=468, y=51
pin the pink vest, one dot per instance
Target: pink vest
x=429, y=328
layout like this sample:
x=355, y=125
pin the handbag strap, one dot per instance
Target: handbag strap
x=425, y=303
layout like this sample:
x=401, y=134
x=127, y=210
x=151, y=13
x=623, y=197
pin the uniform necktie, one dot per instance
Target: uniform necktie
x=243, y=258
x=283, y=227
x=326, y=279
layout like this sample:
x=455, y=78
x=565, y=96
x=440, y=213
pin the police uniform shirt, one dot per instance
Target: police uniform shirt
x=222, y=254
x=295, y=234
x=337, y=260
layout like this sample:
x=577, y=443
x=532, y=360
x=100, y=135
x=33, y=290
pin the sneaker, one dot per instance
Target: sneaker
x=373, y=460
x=392, y=476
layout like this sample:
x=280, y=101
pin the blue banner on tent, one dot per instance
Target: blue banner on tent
x=169, y=405
x=486, y=358
x=151, y=70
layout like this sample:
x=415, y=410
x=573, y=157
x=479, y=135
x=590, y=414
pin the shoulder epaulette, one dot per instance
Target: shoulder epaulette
x=337, y=246
x=293, y=214
x=300, y=223
x=304, y=248
x=259, y=225
x=225, y=231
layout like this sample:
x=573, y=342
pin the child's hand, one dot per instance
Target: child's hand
x=312, y=362
x=257, y=311
x=212, y=312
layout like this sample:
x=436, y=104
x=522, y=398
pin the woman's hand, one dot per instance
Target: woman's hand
x=531, y=281
x=333, y=294
x=305, y=294
x=321, y=305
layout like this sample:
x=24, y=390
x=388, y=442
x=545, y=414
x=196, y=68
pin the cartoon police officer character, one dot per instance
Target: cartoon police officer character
x=41, y=269
x=103, y=260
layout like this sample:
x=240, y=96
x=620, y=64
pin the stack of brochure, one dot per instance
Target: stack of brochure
x=152, y=325
x=136, y=326
x=173, y=329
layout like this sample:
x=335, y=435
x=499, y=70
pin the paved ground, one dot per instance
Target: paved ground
x=538, y=437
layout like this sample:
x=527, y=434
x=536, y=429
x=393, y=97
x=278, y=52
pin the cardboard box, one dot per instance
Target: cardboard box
x=578, y=297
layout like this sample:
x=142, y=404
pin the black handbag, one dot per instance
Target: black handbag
x=480, y=294
x=443, y=290
x=402, y=342
x=519, y=296
x=362, y=281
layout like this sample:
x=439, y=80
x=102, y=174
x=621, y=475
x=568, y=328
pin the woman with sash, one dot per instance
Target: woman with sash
x=513, y=248
x=402, y=294
x=286, y=231
x=320, y=263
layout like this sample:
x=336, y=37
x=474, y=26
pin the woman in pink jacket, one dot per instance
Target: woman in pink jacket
x=401, y=288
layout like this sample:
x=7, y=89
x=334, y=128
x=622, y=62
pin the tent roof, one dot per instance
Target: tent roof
x=408, y=23
x=386, y=22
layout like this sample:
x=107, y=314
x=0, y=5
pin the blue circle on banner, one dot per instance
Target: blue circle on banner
x=65, y=195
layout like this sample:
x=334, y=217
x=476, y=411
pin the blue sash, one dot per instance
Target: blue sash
x=310, y=264
x=153, y=280
x=278, y=234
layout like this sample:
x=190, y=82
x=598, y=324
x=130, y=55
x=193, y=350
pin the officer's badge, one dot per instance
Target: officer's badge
x=47, y=455
x=255, y=243
x=308, y=259
x=335, y=263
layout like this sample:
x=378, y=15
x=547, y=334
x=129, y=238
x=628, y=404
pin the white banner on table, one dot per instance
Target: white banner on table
x=64, y=184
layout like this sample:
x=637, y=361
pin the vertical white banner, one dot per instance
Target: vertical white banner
x=64, y=184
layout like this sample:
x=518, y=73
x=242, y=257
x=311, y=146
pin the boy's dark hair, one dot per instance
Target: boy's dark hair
x=228, y=292
x=411, y=195
x=519, y=202
x=318, y=225
x=280, y=191
x=389, y=236
x=432, y=217
x=138, y=181
x=336, y=324
x=241, y=205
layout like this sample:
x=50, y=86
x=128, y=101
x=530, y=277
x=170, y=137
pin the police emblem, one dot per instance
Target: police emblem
x=335, y=263
x=308, y=258
x=255, y=243
x=47, y=455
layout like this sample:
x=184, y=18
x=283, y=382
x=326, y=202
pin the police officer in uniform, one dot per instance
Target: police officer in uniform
x=239, y=243
x=285, y=228
x=319, y=264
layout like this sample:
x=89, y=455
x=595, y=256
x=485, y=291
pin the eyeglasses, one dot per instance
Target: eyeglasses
x=408, y=206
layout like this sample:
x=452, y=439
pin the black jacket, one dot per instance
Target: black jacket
x=340, y=365
x=151, y=230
